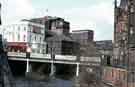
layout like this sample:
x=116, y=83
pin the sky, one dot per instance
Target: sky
x=94, y=15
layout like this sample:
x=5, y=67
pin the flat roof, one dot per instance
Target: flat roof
x=79, y=31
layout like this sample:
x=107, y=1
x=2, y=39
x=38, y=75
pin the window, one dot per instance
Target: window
x=13, y=38
x=60, y=23
x=131, y=30
x=24, y=38
x=35, y=38
x=18, y=37
x=30, y=38
x=18, y=28
x=24, y=28
x=108, y=60
x=132, y=9
x=40, y=39
x=53, y=25
x=47, y=48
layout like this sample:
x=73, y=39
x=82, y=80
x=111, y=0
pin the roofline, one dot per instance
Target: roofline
x=102, y=40
x=79, y=31
x=23, y=22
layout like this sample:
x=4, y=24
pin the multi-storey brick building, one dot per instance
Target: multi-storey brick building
x=120, y=34
x=54, y=24
x=105, y=48
x=122, y=71
x=83, y=36
x=57, y=35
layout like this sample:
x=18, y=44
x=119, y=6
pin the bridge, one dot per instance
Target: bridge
x=58, y=59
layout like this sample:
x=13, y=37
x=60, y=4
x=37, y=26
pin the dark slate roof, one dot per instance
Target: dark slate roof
x=123, y=3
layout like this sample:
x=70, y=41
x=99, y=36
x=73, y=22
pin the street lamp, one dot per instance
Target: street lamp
x=28, y=57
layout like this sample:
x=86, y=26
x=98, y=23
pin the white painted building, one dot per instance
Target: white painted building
x=31, y=34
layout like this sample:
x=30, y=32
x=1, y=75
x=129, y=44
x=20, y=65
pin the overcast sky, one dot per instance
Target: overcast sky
x=96, y=15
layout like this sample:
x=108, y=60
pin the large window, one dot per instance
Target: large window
x=24, y=37
x=40, y=39
x=18, y=28
x=13, y=37
x=18, y=37
x=67, y=48
x=24, y=28
x=35, y=38
x=132, y=9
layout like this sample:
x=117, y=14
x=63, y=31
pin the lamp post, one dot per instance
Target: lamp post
x=28, y=57
x=52, y=63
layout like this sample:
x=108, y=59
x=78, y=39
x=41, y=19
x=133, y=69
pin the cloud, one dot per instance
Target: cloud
x=98, y=17
x=14, y=10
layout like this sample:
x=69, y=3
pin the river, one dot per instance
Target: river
x=51, y=82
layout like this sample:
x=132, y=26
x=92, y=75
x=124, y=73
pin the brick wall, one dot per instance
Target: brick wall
x=115, y=76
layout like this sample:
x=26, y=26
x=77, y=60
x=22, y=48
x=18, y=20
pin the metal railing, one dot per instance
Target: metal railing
x=57, y=57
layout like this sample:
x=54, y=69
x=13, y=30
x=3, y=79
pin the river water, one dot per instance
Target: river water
x=51, y=82
x=7, y=78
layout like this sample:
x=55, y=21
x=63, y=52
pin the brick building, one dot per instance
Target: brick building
x=83, y=36
x=121, y=34
x=122, y=71
x=57, y=35
x=86, y=43
x=85, y=39
x=54, y=24
x=105, y=47
x=61, y=44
